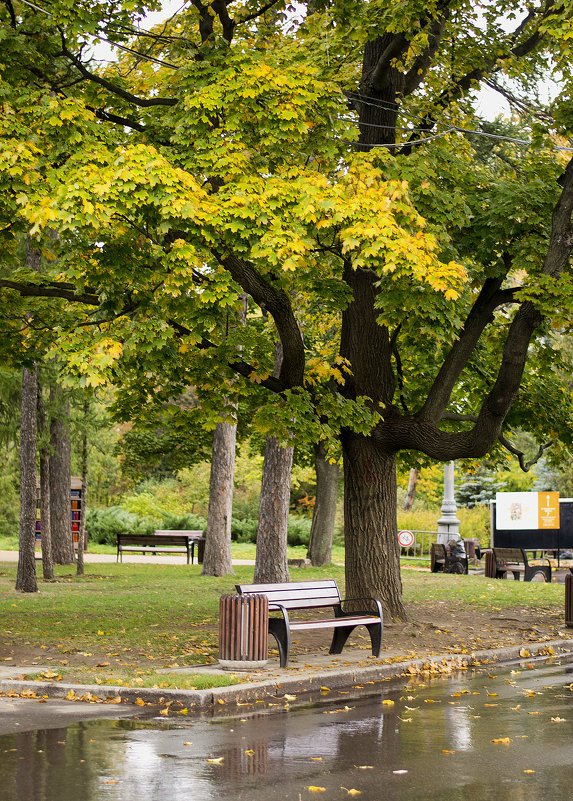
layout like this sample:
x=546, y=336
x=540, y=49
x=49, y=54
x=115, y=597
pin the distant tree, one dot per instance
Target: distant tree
x=26, y=580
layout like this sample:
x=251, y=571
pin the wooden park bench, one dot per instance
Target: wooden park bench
x=514, y=560
x=315, y=595
x=161, y=541
x=441, y=561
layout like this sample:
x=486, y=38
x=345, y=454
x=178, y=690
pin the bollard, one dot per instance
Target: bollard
x=569, y=600
x=243, y=631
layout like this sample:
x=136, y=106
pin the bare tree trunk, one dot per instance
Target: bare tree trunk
x=370, y=530
x=83, y=508
x=217, y=558
x=412, y=483
x=60, y=482
x=45, y=517
x=26, y=580
x=322, y=529
x=271, y=564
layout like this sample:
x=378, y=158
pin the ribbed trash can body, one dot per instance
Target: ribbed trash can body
x=200, y=550
x=489, y=564
x=243, y=631
x=569, y=600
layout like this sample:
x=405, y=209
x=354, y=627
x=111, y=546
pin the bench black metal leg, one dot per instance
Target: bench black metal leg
x=341, y=635
x=339, y=639
x=281, y=633
x=375, y=631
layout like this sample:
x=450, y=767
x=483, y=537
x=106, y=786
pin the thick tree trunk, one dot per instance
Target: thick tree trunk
x=322, y=529
x=271, y=564
x=412, y=484
x=26, y=577
x=217, y=558
x=60, y=481
x=371, y=535
x=45, y=517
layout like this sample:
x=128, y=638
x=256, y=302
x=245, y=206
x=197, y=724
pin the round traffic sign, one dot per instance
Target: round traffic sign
x=405, y=538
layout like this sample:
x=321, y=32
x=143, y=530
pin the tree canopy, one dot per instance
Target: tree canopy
x=326, y=161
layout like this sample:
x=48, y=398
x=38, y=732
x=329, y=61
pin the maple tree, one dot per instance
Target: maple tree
x=319, y=160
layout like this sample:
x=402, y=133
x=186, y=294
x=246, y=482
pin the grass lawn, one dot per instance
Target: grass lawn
x=121, y=622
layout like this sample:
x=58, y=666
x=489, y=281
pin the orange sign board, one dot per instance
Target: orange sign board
x=548, y=509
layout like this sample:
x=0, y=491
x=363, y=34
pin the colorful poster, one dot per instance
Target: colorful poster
x=548, y=510
x=526, y=510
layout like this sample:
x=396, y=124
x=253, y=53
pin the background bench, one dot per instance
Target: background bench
x=162, y=541
x=441, y=560
x=306, y=595
x=514, y=560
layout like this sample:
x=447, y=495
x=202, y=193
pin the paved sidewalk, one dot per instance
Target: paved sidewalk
x=132, y=558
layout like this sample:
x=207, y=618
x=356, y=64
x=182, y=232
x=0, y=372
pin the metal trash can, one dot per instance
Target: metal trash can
x=569, y=600
x=243, y=631
x=200, y=550
x=471, y=545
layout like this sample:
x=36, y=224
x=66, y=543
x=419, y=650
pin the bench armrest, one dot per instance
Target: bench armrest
x=275, y=607
x=375, y=601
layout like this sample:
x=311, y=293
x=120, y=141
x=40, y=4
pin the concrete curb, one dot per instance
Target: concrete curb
x=287, y=692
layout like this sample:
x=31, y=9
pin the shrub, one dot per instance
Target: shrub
x=188, y=522
x=298, y=530
x=103, y=525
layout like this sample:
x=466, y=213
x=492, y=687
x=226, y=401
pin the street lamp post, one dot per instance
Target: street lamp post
x=448, y=524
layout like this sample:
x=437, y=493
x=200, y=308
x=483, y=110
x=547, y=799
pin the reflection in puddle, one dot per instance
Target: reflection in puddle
x=475, y=736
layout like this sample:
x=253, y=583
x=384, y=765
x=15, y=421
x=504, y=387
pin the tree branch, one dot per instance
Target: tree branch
x=419, y=69
x=481, y=314
x=276, y=302
x=142, y=102
x=11, y=12
x=258, y=13
x=525, y=466
x=52, y=290
x=240, y=367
